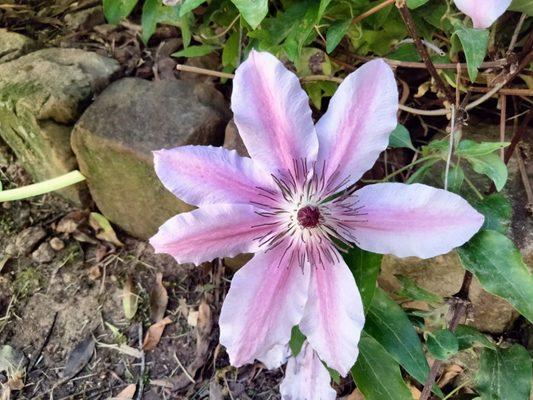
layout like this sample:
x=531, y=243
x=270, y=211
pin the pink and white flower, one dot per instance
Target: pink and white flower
x=293, y=205
x=306, y=378
x=483, y=12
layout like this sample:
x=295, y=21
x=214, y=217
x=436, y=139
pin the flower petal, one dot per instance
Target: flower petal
x=334, y=316
x=356, y=127
x=276, y=356
x=272, y=113
x=266, y=299
x=207, y=175
x=212, y=231
x=306, y=378
x=483, y=12
x=413, y=220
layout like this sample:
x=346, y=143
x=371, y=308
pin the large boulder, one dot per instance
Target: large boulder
x=115, y=137
x=41, y=96
x=14, y=45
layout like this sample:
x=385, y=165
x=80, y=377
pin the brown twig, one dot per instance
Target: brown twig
x=410, y=24
x=373, y=10
x=518, y=135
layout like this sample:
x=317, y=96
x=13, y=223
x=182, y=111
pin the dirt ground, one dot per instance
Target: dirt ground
x=63, y=312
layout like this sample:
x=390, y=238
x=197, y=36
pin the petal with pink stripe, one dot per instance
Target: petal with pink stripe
x=356, y=127
x=206, y=175
x=306, y=378
x=272, y=113
x=266, y=299
x=212, y=231
x=483, y=12
x=412, y=220
x=334, y=316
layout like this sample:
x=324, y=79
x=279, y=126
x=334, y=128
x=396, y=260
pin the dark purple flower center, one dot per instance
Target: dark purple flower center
x=308, y=216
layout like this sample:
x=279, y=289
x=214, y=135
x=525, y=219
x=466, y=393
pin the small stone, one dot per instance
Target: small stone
x=115, y=137
x=13, y=45
x=42, y=95
x=233, y=141
x=57, y=244
x=28, y=239
x=43, y=254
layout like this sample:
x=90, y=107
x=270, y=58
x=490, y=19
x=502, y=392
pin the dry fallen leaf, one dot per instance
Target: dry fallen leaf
x=355, y=395
x=192, y=318
x=79, y=358
x=94, y=272
x=127, y=393
x=153, y=336
x=70, y=222
x=183, y=308
x=158, y=299
x=449, y=374
x=130, y=300
x=103, y=229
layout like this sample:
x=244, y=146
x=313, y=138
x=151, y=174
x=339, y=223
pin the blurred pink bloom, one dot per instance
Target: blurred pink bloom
x=483, y=12
x=306, y=378
x=280, y=205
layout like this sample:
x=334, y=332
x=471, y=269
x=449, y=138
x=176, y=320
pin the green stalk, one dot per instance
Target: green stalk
x=37, y=189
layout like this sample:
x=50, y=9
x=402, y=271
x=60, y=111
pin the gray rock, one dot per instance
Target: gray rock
x=41, y=95
x=44, y=253
x=443, y=276
x=14, y=45
x=27, y=239
x=114, y=138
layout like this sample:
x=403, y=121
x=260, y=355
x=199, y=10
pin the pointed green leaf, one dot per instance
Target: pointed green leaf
x=498, y=265
x=416, y=3
x=442, y=344
x=469, y=337
x=504, y=374
x=492, y=166
x=335, y=33
x=525, y=6
x=230, y=53
x=189, y=5
x=116, y=10
x=253, y=11
x=376, y=373
x=195, y=51
x=456, y=177
x=469, y=148
x=474, y=42
x=412, y=291
x=155, y=12
x=365, y=268
x=297, y=341
x=387, y=323
x=400, y=137
x=497, y=211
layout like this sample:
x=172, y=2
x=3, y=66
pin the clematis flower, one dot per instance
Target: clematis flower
x=292, y=204
x=306, y=378
x=483, y=12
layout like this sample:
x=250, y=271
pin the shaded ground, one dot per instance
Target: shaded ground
x=49, y=309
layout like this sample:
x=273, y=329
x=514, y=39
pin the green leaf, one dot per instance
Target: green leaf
x=322, y=8
x=388, y=324
x=492, y=166
x=189, y=5
x=155, y=12
x=422, y=171
x=376, y=373
x=116, y=10
x=253, y=11
x=442, y=344
x=230, y=53
x=498, y=265
x=297, y=341
x=504, y=374
x=416, y=3
x=335, y=33
x=195, y=51
x=412, y=291
x=400, y=137
x=525, y=6
x=497, y=211
x=365, y=268
x=456, y=177
x=469, y=148
x=474, y=42
x=468, y=337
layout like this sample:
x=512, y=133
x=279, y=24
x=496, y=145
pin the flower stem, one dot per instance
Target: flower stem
x=36, y=189
x=399, y=171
